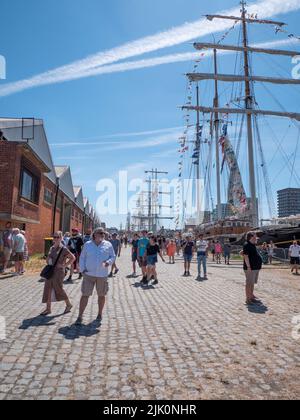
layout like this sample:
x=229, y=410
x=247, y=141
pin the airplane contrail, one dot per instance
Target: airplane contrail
x=169, y=38
x=84, y=141
x=172, y=58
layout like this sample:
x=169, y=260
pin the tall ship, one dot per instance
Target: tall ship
x=225, y=150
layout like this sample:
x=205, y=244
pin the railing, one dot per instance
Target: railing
x=280, y=254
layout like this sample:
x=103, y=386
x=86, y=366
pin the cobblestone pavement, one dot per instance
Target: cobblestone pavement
x=184, y=339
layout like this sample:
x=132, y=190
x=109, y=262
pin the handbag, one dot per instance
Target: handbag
x=48, y=270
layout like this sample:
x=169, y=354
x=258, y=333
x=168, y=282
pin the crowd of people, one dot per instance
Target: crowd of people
x=97, y=261
x=94, y=256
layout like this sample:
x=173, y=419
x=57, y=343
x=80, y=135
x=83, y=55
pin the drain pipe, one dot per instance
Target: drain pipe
x=55, y=205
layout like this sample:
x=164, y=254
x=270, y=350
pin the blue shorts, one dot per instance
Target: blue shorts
x=188, y=258
x=151, y=260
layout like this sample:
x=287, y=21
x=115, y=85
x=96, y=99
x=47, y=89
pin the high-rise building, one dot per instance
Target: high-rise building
x=288, y=202
x=226, y=211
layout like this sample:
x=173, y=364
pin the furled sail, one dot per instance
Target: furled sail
x=237, y=198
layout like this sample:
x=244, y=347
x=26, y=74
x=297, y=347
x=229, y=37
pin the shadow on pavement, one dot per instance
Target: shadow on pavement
x=74, y=332
x=38, y=321
x=201, y=279
x=237, y=266
x=258, y=308
x=138, y=285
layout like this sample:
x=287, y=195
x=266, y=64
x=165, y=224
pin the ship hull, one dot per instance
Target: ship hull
x=283, y=238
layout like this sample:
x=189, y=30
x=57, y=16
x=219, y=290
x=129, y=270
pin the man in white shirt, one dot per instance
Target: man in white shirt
x=95, y=259
x=294, y=254
x=202, y=248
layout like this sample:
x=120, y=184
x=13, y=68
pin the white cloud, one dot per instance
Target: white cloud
x=169, y=38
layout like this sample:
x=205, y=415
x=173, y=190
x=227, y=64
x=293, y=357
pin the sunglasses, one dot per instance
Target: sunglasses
x=100, y=234
x=56, y=237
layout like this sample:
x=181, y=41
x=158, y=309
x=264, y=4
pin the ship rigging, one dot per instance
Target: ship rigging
x=219, y=155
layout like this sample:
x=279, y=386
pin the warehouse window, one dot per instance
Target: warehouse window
x=59, y=203
x=29, y=186
x=48, y=196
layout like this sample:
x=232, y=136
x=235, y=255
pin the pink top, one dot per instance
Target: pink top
x=218, y=248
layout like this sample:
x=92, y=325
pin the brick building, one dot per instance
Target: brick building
x=35, y=195
x=78, y=209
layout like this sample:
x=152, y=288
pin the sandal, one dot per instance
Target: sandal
x=68, y=309
x=45, y=313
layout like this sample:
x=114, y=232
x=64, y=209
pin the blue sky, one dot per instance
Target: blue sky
x=86, y=118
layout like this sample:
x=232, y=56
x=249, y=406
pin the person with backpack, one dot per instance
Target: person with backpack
x=152, y=251
x=75, y=245
x=188, y=252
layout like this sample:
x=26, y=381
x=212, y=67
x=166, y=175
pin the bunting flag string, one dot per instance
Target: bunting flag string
x=184, y=148
x=253, y=16
x=228, y=32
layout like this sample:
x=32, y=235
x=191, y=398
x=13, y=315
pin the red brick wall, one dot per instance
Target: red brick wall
x=22, y=207
x=77, y=218
x=8, y=153
x=13, y=156
x=37, y=233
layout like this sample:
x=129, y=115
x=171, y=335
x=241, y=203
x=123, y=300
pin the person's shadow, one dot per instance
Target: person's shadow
x=74, y=332
x=139, y=285
x=201, y=279
x=38, y=321
x=149, y=287
x=131, y=276
x=258, y=308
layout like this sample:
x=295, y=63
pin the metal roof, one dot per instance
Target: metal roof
x=32, y=133
x=79, y=197
x=65, y=181
x=19, y=130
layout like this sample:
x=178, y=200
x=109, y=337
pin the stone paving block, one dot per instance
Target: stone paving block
x=181, y=339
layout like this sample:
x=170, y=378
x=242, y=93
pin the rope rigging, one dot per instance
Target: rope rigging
x=203, y=157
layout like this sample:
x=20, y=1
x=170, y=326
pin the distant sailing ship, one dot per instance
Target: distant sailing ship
x=244, y=211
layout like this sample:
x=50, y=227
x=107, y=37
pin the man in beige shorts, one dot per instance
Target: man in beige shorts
x=96, y=258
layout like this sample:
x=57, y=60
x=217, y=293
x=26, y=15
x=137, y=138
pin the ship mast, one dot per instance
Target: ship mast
x=249, y=105
x=216, y=126
x=250, y=110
